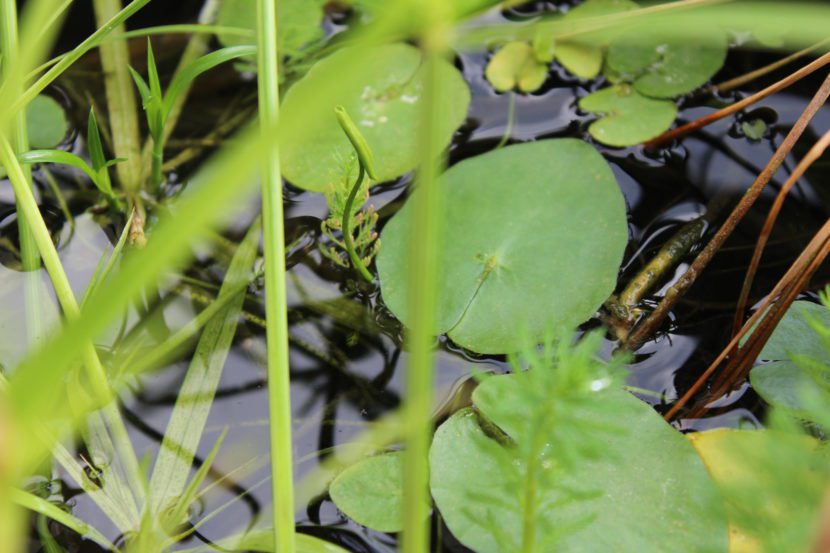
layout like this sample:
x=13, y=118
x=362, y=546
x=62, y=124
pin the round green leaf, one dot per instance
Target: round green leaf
x=515, y=65
x=652, y=489
x=666, y=66
x=300, y=22
x=46, y=123
x=387, y=108
x=533, y=237
x=628, y=117
x=794, y=346
x=584, y=59
x=370, y=492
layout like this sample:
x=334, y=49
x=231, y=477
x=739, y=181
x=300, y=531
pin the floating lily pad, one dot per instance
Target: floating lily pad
x=628, y=117
x=666, y=66
x=387, y=108
x=46, y=123
x=300, y=22
x=370, y=492
x=583, y=58
x=533, y=236
x=652, y=490
x=515, y=65
x=784, y=382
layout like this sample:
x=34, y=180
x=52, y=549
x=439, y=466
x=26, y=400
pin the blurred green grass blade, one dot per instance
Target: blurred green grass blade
x=195, y=398
x=39, y=505
x=276, y=306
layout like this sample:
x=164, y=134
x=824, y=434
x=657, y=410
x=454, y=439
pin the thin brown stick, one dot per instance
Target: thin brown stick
x=818, y=245
x=692, y=126
x=648, y=327
x=767, y=69
x=815, y=152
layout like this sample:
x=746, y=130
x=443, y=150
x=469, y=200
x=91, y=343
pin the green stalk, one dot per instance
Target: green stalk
x=97, y=376
x=276, y=308
x=347, y=232
x=423, y=294
x=121, y=104
x=157, y=175
x=19, y=139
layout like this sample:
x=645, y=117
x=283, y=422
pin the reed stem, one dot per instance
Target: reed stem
x=121, y=104
x=276, y=309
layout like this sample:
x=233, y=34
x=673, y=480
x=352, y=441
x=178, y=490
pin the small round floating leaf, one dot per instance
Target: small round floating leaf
x=533, y=237
x=370, y=492
x=628, y=117
x=515, y=65
x=646, y=464
x=46, y=122
x=667, y=66
x=584, y=59
x=385, y=101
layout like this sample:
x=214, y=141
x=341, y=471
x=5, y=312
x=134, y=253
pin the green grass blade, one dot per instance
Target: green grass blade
x=39, y=505
x=182, y=81
x=60, y=157
x=187, y=422
x=276, y=309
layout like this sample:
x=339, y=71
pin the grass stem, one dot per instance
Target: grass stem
x=276, y=312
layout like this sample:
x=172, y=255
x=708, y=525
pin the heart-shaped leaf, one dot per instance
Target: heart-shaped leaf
x=515, y=65
x=628, y=117
x=386, y=107
x=652, y=491
x=584, y=59
x=801, y=362
x=46, y=123
x=533, y=237
x=371, y=492
x=663, y=66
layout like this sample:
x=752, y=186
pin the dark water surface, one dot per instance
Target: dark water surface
x=348, y=370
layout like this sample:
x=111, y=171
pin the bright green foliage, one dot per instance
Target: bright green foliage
x=573, y=464
x=46, y=122
x=387, y=109
x=754, y=129
x=458, y=8
x=300, y=23
x=371, y=492
x=157, y=104
x=801, y=361
x=533, y=238
x=262, y=541
x=629, y=117
x=666, y=66
x=515, y=65
x=584, y=59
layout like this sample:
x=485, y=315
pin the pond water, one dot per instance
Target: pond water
x=346, y=356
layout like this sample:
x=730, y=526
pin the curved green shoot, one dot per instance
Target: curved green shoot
x=366, y=165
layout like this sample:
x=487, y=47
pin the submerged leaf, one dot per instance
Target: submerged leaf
x=371, y=492
x=46, y=122
x=515, y=65
x=533, y=238
x=666, y=66
x=652, y=491
x=385, y=101
x=628, y=117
